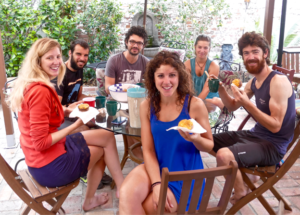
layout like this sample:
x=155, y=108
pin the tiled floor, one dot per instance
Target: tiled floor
x=10, y=204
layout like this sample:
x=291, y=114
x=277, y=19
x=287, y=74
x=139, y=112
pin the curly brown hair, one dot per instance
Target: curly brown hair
x=254, y=39
x=185, y=85
x=137, y=30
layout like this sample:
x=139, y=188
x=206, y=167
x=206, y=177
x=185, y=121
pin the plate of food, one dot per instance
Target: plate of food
x=84, y=112
x=189, y=125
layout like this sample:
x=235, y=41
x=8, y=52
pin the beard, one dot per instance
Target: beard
x=74, y=64
x=132, y=53
x=255, y=70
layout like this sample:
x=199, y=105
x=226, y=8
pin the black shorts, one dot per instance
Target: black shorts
x=248, y=150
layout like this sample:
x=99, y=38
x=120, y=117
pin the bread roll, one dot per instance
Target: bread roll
x=186, y=123
x=83, y=107
x=237, y=82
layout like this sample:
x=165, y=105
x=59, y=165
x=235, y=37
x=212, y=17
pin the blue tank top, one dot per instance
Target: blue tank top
x=173, y=151
x=284, y=136
x=199, y=81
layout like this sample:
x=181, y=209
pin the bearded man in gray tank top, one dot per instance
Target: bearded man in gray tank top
x=266, y=143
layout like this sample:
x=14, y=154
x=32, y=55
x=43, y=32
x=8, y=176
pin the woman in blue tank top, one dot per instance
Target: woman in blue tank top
x=169, y=101
x=197, y=67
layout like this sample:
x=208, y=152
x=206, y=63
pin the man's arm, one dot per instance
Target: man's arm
x=213, y=70
x=280, y=91
x=81, y=95
x=108, y=82
x=110, y=73
x=231, y=103
x=188, y=66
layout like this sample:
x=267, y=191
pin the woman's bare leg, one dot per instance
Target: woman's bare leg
x=80, y=129
x=216, y=101
x=134, y=190
x=107, y=141
x=135, y=195
x=149, y=207
x=96, y=168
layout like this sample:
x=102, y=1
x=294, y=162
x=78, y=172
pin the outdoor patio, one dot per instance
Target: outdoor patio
x=10, y=204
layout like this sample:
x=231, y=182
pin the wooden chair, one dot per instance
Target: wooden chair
x=287, y=72
x=32, y=193
x=290, y=58
x=198, y=175
x=270, y=175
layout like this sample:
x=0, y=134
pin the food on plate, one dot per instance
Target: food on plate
x=237, y=82
x=186, y=123
x=83, y=107
x=128, y=87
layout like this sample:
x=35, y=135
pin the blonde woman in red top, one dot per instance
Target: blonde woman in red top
x=55, y=158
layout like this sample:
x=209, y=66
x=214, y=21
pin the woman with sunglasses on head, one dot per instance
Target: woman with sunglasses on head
x=197, y=67
x=170, y=100
x=54, y=157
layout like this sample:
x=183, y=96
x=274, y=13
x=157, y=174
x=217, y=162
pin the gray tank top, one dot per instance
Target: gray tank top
x=284, y=136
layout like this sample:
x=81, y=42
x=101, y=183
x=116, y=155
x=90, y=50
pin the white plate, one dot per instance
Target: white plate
x=197, y=128
x=85, y=116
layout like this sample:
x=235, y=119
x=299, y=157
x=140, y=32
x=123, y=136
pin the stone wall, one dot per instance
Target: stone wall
x=242, y=20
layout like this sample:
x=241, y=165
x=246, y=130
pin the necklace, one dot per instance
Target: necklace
x=202, y=65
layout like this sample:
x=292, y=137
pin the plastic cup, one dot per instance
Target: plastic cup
x=100, y=101
x=112, y=107
x=90, y=101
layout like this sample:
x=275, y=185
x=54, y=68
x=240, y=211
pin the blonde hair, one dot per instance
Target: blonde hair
x=31, y=71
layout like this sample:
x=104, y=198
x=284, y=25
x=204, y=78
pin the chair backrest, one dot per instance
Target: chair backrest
x=288, y=73
x=229, y=172
x=173, y=46
x=290, y=58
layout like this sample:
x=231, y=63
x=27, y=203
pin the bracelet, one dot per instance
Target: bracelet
x=154, y=184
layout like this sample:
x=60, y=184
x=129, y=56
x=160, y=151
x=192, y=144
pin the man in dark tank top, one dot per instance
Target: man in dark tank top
x=266, y=143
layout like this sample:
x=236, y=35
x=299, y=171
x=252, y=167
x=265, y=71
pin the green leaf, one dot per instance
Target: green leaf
x=46, y=31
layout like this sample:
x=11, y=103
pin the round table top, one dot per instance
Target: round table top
x=105, y=122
